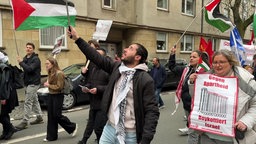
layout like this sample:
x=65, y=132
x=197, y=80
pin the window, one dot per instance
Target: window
x=162, y=4
x=48, y=36
x=187, y=43
x=108, y=4
x=188, y=7
x=161, y=42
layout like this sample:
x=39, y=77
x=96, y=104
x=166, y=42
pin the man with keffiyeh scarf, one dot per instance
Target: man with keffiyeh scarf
x=129, y=99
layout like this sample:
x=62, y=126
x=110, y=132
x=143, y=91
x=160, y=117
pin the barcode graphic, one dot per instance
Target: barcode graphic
x=212, y=104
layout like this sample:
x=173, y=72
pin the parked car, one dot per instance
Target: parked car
x=76, y=95
x=172, y=79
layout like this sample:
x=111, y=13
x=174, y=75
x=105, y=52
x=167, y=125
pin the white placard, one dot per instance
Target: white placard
x=102, y=29
x=214, y=104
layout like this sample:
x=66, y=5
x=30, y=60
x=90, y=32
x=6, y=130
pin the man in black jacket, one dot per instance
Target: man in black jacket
x=96, y=81
x=31, y=65
x=129, y=99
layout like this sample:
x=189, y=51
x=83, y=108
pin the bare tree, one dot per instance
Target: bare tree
x=242, y=13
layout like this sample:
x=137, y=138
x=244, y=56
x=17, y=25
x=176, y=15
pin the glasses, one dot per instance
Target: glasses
x=221, y=63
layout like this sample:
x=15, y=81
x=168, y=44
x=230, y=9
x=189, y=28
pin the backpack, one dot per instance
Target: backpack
x=68, y=86
x=5, y=81
x=18, y=77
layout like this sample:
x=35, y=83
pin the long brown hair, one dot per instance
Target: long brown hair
x=55, y=66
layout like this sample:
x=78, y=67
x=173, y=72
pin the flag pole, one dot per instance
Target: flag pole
x=68, y=17
x=14, y=33
x=188, y=27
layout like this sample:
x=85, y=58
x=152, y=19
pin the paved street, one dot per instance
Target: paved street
x=167, y=129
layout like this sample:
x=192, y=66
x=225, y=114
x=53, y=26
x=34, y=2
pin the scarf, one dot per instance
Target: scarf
x=120, y=105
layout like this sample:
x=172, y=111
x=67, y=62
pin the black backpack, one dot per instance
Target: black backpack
x=5, y=81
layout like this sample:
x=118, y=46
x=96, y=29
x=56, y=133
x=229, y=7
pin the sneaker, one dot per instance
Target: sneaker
x=45, y=140
x=10, y=133
x=185, y=118
x=184, y=130
x=38, y=120
x=162, y=107
x=75, y=131
x=22, y=126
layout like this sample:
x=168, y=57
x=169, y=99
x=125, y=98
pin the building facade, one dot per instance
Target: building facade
x=157, y=24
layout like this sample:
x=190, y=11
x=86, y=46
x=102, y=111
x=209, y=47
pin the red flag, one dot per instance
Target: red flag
x=210, y=51
x=251, y=40
x=203, y=45
x=21, y=10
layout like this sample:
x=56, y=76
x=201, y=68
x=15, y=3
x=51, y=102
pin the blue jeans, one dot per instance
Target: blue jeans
x=109, y=136
x=158, y=97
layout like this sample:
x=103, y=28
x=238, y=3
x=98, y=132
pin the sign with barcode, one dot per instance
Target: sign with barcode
x=214, y=104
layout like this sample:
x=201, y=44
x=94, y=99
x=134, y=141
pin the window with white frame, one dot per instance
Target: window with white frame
x=162, y=4
x=108, y=4
x=161, y=42
x=187, y=43
x=49, y=35
x=188, y=7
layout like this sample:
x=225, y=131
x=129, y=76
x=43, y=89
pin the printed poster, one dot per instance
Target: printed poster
x=102, y=29
x=214, y=104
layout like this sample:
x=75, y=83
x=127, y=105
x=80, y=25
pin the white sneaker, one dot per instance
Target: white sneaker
x=184, y=130
x=185, y=118
x=45, y=140
x=75, y=131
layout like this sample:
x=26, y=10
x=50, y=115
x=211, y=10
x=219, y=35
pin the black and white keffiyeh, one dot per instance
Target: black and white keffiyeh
x=120, y=105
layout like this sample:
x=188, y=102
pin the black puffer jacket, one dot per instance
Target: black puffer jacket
x=145, y=104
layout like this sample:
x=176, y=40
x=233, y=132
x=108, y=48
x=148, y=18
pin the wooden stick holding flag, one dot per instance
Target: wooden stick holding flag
x=187, y=28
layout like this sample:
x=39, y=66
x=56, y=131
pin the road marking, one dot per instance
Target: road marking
x=29, y=137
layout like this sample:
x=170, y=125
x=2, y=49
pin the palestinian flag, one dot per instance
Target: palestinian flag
x=37, y=14
x=202, y=66
x=215, y=18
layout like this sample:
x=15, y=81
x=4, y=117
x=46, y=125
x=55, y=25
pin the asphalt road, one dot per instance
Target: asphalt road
x=167, y=129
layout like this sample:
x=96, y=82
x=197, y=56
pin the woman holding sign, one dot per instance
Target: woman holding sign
x=225, y=65
x=182, y=91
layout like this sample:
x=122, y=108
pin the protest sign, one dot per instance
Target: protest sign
x=214, y=104
x=102, y=29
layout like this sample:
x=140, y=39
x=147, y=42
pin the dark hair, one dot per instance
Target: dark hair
x=102, y=49
x=205, y=58
x=31, y=44
x=94, y=42
x=157, y=59
x=142, y=51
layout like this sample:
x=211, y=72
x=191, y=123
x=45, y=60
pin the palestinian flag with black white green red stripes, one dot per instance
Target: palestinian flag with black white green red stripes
x=202, y=66
x=37, y=14
x=215, y=18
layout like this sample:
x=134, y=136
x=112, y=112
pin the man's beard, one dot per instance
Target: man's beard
x=128, y=60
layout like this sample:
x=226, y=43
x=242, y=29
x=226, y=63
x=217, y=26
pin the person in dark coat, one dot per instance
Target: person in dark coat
x=159, y=76
x=95, y=81
x=129, y=99
x=9, y=98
